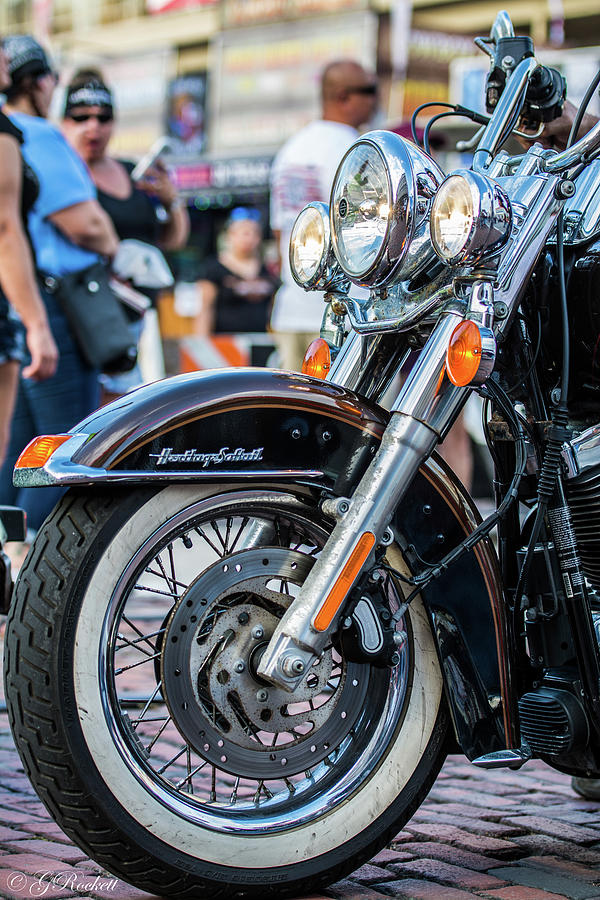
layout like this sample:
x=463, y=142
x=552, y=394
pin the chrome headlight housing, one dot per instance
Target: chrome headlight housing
x=379, y=210
x=312, y=261
x=470, y=217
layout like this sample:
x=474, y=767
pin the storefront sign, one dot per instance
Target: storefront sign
x=265, y=80
x=218, y=175
x=248, y=12
x=186, y=99
x=161, y=6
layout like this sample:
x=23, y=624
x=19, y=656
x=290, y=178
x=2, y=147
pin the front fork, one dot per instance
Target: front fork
x=426, y=407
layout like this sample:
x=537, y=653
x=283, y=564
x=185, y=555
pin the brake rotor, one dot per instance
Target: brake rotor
x=212, y=646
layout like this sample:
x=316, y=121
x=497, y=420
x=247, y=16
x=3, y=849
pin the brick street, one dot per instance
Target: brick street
x=501, y=836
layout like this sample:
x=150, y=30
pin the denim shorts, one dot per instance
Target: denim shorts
x=12, y=334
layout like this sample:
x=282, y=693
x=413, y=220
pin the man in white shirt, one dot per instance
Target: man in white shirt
x=303, y=171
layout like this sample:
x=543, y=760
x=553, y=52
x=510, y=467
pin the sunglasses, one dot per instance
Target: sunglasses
x=370, y=89
x=102, y=118
x=240, y=213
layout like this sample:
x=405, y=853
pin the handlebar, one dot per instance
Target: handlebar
x=584, y=150
x=508, y=108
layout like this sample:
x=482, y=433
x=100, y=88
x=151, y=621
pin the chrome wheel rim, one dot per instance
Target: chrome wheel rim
x=337, y=740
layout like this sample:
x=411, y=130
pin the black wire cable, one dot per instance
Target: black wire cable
x=421, y=580
x=582, y=109
x=523, y=378
x=413, y=118
x=431, y=122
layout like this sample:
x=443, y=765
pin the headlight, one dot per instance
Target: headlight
x=379, y=209
x=312, y=262
x=362, y=202
x=470, y=218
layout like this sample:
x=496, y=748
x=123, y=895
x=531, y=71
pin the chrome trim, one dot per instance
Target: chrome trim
x=502, y=27
x=346, y=368
x=87, y=475
x=492, y=218
x=397, y=308
x=481, y=304
x=328, y=275
x=422, y=397
x=503, y=758
x=582, y=453
x=586, y=148
x=488, y=355
x=470, y=143
x=582, y=212
x=413, y=178
x=332, y=324
x=511, y=99
x=527, y=240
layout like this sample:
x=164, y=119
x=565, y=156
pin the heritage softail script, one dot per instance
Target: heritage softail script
x=224, y=455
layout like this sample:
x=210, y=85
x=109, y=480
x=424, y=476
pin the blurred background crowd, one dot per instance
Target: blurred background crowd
x=201, y=127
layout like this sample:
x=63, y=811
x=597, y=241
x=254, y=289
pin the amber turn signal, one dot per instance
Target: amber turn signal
x=464, y=353
x=471, y=354
x=344, y=582
x=38, y=451
x=317, y=359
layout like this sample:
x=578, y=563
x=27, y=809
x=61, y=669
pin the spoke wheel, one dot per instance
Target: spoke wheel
x=191, y=616
x=166, y=756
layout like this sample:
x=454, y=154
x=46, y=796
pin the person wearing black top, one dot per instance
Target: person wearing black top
x=236, y=288
x=18, y=287
x=147, y=209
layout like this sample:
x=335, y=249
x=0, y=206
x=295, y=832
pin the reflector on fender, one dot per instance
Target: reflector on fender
x=38, y=451
x=337, y=594
x=317, y=359
x=471, y=354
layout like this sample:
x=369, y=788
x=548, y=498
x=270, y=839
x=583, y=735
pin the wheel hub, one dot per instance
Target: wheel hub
x=213, y=642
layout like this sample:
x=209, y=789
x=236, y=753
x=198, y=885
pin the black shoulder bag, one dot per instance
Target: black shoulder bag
x=96, y=318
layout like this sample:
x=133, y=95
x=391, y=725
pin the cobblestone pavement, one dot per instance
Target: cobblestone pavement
x=502, y=836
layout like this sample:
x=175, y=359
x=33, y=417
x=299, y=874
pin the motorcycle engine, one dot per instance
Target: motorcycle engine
x=583, y=494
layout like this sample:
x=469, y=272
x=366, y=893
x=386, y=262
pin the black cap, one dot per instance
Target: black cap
x=25, y=56
x=92, y=93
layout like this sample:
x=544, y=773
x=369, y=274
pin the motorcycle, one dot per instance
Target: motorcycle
x=265, y=611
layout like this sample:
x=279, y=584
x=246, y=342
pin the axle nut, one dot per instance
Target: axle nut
x=293, y=666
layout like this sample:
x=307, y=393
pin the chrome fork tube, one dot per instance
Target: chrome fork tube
x=347, y=365
x=426, y=407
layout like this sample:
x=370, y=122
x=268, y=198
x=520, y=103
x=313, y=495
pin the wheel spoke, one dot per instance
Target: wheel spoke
x=151, y=590
x=173, y=759
x=234, y=793
x=205, y=537
x=241, y=529
x=136, y=722
x=142, y=636
x=150, y=699
x=157, y=735
x=142, y=662
x=136, y=644
x=190, y=775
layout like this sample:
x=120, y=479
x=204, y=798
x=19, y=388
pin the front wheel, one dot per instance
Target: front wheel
x=132, y=651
